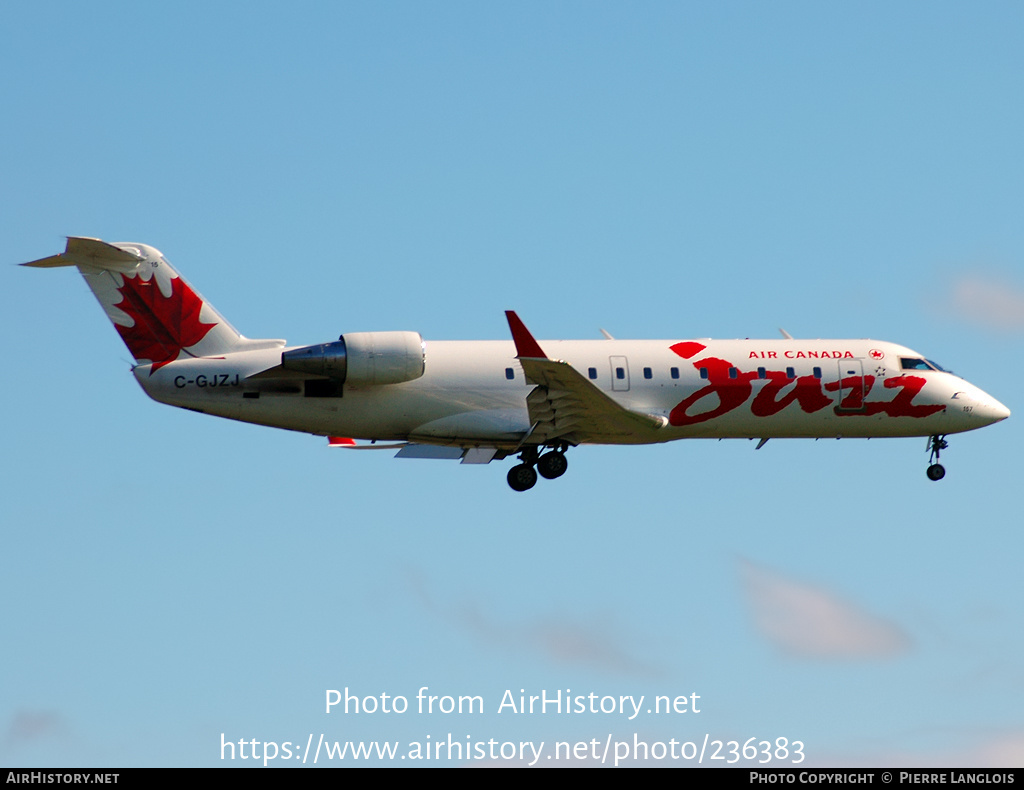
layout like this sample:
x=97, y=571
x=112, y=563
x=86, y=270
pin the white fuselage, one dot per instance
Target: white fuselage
x=474, y=392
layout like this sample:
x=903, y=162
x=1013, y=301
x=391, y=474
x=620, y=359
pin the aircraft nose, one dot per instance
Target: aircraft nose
x=996, y=411
x=988, y=410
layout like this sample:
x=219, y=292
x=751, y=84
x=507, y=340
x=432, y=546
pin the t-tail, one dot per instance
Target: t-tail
x=156, y=312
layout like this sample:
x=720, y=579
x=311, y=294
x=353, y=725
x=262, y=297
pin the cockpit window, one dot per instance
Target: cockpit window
x=917, y=363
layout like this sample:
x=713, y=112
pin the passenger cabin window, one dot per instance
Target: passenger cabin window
x=510, y=374
x=703, y=373
x=674, y=372
x=817, y=373
x=648, y=373
x=762, y=373
x=592, y=372
x=790, y=373
x=733, y=373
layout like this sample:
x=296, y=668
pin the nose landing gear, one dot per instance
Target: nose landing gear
x=936, y=444
x=552, y=464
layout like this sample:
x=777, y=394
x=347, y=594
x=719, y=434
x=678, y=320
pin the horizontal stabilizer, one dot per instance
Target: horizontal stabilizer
x=84, y=251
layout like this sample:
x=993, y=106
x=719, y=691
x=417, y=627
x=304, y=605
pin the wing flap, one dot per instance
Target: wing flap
x=565, y=405
x=565, y=402
x=434, y=451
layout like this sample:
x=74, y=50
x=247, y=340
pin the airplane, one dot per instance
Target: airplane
x=481, y=401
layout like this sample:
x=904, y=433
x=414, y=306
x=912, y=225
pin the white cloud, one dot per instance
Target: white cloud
x=812, y=622
x=990, y=301
x=559, y=638
x=29, y=726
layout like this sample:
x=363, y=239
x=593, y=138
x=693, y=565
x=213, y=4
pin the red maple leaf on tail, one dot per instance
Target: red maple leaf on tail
x=164, y=325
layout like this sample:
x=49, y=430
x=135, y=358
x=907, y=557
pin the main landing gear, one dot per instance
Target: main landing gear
x=552, y=464
x=936, y=444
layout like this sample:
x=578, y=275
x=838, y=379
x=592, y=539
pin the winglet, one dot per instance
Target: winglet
x=526, y=346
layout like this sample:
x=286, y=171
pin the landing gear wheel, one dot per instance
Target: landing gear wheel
x=552, y=465
x=936, y=472
x=522, y=477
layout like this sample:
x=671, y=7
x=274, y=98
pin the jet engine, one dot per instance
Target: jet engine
x=362, y=358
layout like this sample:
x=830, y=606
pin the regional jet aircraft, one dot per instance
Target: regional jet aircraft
x=480, y=401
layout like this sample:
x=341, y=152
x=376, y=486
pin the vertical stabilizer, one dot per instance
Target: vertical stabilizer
x=156, y=312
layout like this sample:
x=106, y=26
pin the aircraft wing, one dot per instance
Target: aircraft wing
x=566, y=406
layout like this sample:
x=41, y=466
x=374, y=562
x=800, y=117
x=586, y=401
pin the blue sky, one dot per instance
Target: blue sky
x=668, y=170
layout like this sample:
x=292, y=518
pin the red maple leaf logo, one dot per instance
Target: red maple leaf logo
x=164, y=325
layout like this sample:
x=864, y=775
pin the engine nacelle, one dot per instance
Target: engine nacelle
x=362, y=358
